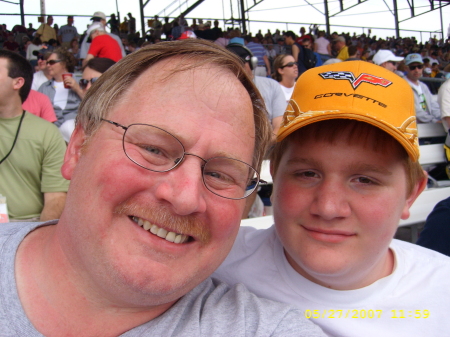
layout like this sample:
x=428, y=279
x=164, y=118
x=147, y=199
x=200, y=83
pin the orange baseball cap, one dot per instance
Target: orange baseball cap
x=355, y=90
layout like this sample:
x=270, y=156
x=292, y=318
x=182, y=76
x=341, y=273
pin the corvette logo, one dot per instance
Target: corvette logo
x=355, y=82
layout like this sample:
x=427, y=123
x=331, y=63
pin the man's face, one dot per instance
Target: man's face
x=390, y=65
x=307, y=44
x=50, y=20
x=336, y=209
x=414, y=71
x=109, y=192
x=7, y=83
x=288, y=40
x=70, y=21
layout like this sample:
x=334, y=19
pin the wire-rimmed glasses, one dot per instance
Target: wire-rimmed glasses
x=157, y=150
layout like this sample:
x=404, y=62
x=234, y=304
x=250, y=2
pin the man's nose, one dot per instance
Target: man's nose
x=183, y=187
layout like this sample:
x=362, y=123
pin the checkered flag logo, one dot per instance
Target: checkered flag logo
x=338, y=75
x=355, y=82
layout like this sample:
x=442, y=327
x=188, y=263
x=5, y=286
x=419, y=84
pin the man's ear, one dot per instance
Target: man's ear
x=73, y=152
x=420, y=186
x=18, y=82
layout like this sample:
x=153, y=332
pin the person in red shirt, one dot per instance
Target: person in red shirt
x=102, y=44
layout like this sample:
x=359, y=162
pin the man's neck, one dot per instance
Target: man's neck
x=413, y=80
x=11, y=109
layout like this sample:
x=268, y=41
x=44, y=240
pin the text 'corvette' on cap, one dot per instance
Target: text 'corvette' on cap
x=355, y=90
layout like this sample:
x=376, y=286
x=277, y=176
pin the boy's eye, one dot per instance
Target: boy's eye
x=365, y=180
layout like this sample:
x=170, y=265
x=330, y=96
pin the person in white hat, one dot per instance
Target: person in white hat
x=387, y=59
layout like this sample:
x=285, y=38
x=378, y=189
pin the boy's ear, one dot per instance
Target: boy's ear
x=73, y=152
x=420, y=186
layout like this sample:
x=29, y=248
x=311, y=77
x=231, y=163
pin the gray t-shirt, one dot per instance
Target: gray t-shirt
x=272, y=94
x=210, y=309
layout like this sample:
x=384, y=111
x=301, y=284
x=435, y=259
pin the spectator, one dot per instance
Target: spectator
x=130, y=281
x=167, y=28
x=427, y=111
x=99, y=17
x=67, y=33
x=341, y=48
x=269, y=89
x=45, y=30
x=33, y=49
x=298, y=52
x=353, y=54
x=132, y=23
x=39, y=105
x=345, y=171
x=42, y=74
x=257, y=49
x=217, y=31
x=387, y=59
x=102, y=45
x=10, y=44
x=444, y=104
x=64, y=100
x=322, y=46
x=307, y=43
x=113, y=24
x=436, y=232
x=32, y=148
x=91, y=73
x=285, y=73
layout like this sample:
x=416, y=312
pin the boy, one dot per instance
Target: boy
x=345, y=171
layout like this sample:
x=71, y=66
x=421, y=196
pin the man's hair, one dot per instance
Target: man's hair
x=368, y=135
x=277, y=64
x=352, y=50
x=100, y=64
x=115, y=83
x=67, y=58
x=18, y=66
x=290, y=34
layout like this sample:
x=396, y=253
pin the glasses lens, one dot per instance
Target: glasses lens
x=414, y=67
x=93, y=79
x=83, y=83
x=230, y=178
x=290, y=64
x=393, y=63
x=152, y=148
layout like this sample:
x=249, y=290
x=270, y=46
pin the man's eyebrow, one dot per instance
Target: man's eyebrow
x=364, y=167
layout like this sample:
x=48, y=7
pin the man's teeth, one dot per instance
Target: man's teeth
x=161, y=232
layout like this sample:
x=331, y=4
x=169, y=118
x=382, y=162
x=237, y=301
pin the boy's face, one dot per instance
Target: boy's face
x=336, y=208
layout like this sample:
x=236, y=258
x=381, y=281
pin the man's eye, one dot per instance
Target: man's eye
x=306, y=174
x=151, y=149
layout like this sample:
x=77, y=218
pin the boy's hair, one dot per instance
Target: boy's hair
x=18, y=66
x=372, y=138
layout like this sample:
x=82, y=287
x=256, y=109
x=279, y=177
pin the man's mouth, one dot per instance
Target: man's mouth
x=160, y=232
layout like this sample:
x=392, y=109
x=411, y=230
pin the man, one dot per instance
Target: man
x=308, y=44
x=31, y=149
x=67, y=33
x=304, y=59
x=386, y=59
x=444, y=104
x=147, y=219
x=345, y=171
x=46, y=31
x=132, y=24
x=427, y=110
x=270, y=90
x=257, y=49
x=353, y=54
x=99, y=17
x=340, y=45
x=102, y=44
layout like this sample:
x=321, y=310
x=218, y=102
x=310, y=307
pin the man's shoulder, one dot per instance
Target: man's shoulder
x=215, y=309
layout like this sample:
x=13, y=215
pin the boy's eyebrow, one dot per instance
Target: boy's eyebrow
x=358, y=166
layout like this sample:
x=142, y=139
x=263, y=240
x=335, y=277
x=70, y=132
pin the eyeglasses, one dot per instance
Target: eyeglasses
x=52, y=62
x=83, y=83
x=157, y=150
x=290, y=64
x=420, y=66
x=393, y=63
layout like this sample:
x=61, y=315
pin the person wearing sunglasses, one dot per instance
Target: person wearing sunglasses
x=386, y=59
x=427, y=110
x=65, y=101
x=91, y=73
x=285, y=73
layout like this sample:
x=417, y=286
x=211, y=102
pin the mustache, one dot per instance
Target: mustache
x=161, y=216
